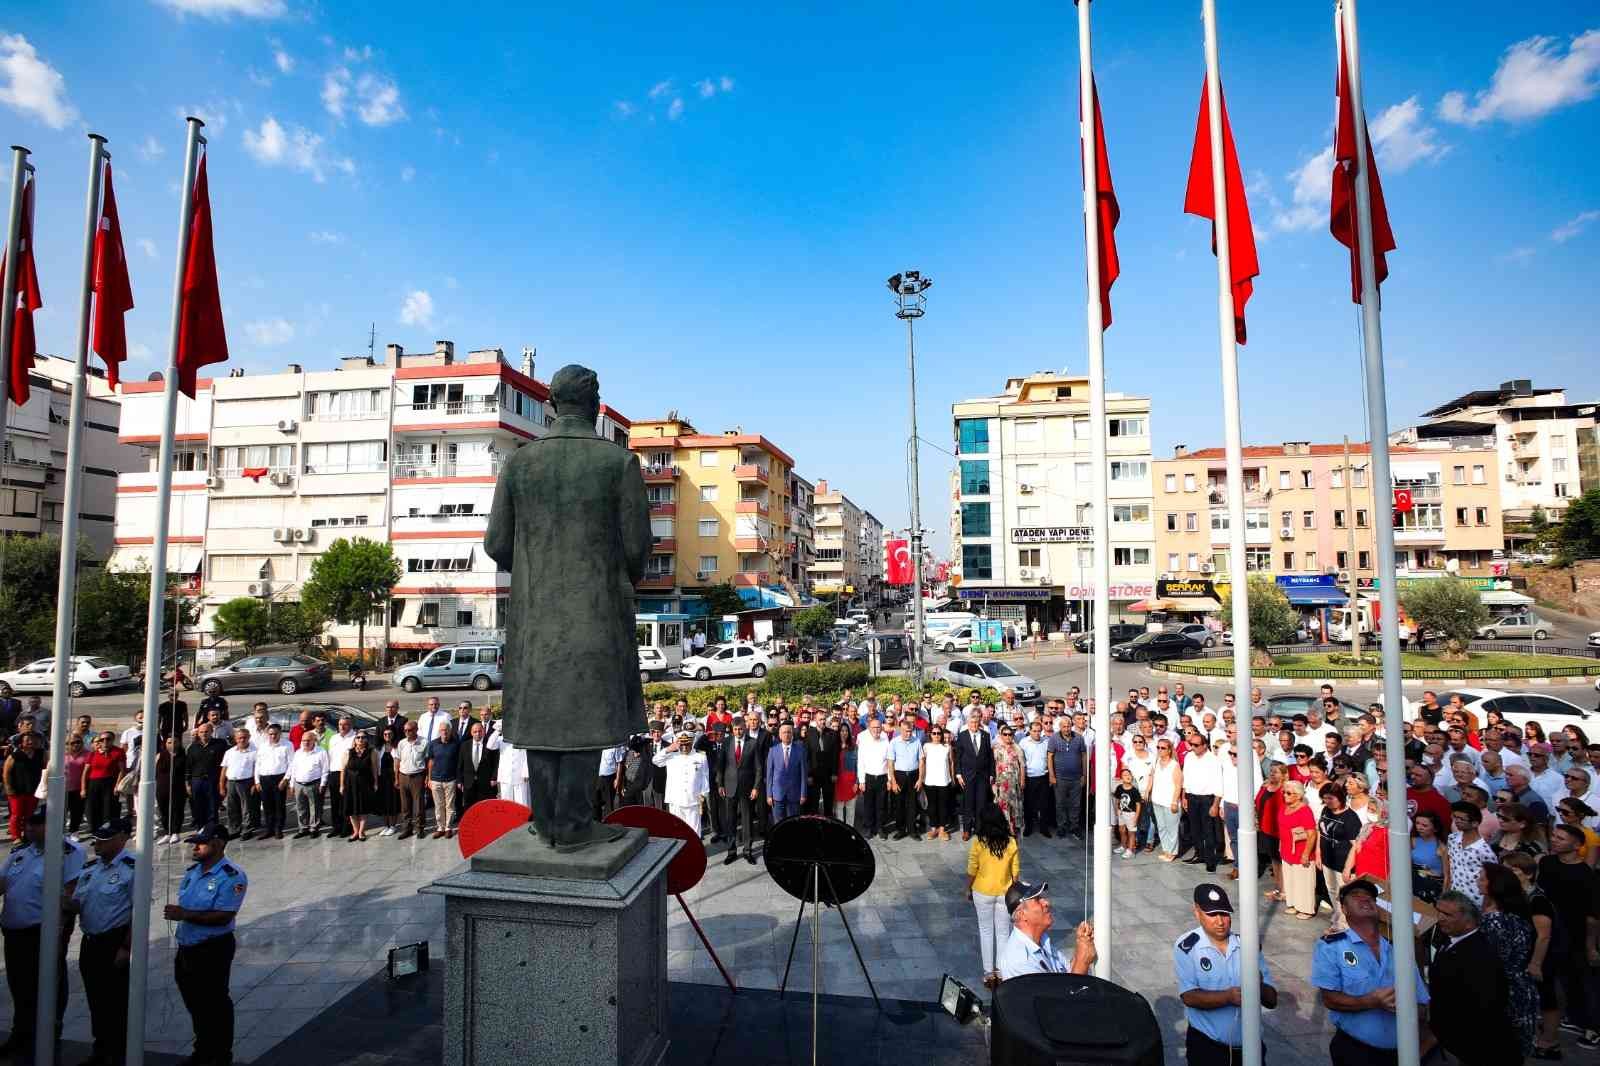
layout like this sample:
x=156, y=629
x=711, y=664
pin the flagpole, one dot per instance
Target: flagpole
x=66, y=610
x=1249, y=912
x=20, y=168
x=1101, y=562
x=144, y=874
x=1405, y=961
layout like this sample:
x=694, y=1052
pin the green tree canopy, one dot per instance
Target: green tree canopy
x=296, y=623
x=814, y=622
x=349, y=581
x=722, y=599
x=1578, y=536
x=1448, y=606
x=244, y=619
x=1272, y=619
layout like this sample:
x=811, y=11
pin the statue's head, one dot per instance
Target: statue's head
x=575, y=391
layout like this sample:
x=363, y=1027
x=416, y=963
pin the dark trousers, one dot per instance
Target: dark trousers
x=738, y=816
x=905, y=806
x=1035, y=803
x=820, y=796
x=1202, y=829
x=201, y=973
x=874, y=804
x=605, y=796
x=253, y=806
x=1201, y=1050
x=22, y=975
x=101, y=805
x=560, y=784
x=973, y=798
x=1069, y=802
x=105, y=985
x=412, y=788
x=238, y=805
x=938, y=805
x=202, y=800
x=335, y=802
x=1348, y=1051
x=76, y=804
x=784, y=808
x=274, y=800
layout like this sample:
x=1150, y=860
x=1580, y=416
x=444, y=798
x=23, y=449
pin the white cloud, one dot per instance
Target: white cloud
x=1401, y=138
x=417, y=309
x=221, y=9
x=335, y=88
x=295, y=147
x=356, y=55
x=707, y=88
x=675, y=109
x=1518, y=256
x=284, y=60
x=1534, y=78
x=326, y=236
x=407, y=173
x=257, y=78
x=379, y=101
x=139, y=352
x=147, y=246
x=660, y=89
x=30, y=85
x=214, y=113
x=725, y=83
x=150, y=148
x=1574, y=226
x=270, y=332
x=1312, y=187
x=623, y=109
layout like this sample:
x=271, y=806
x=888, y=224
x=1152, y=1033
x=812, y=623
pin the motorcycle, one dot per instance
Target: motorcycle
x=358, y=676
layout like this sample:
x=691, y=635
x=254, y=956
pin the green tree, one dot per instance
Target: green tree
x=114, y=611
x=244, y=619
x=814, y=622
x=296, y=623
x=1578, y=536
x=722, y=599
x=28, y=598
x=1272, y=619
x=349, y=581
x=1538, y=520
x=1447, y=606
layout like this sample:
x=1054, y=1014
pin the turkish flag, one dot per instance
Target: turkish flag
x=113, y=291
x=24, y=345
x=1107, y=213
x=1403, y=501
x=202, y=339
x=1342, y=210
x=898, y=563
x=1198, y=200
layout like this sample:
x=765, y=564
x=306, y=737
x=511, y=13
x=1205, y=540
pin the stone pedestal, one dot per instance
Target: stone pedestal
x=553, y=966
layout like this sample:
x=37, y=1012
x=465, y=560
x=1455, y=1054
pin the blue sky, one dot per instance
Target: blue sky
x=703, y=201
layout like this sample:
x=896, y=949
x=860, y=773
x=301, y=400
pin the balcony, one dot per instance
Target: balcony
x=657, y=580
x=754, y=472
x=1419, y=535
x=751, y=578
x=663, y=546
x=663, y=510
x=657, y=475
x=473, y=405
x=1525, y=446
x=405, y=467
x=751, y=507
x=749, y=544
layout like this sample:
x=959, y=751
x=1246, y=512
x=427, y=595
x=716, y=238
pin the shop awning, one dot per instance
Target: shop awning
x=1196, y=604
x=1317, y=596
x=1504, y=598
x=181, y=559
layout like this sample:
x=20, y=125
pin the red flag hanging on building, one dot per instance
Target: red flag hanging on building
x=1108, y=212
x=1342, y=210
x=202, y=340
x=1198, y=200
x=899, y=567
x=113, y=291
x=24, y=345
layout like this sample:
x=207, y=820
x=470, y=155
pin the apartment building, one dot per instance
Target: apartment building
x=1308, y=514
x=1547, y=450
x=1022, y=508
x=33, y=459
x=802, y=532
x=271, y=468
x=720, y=511
x=849, y=546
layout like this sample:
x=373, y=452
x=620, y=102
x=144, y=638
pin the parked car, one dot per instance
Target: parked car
x=726, y=660
x=283, y=672
x=1518, y=708
x=653, y=665
x=1289, y=704
x=90, y=673
x=990, y=674
x=1148, y=647
x=860, y=618
x=287, y=716
x=479, y=664
x=958, y=638
x=1594, y=639
x=1516, y=626
x=894, y=650
x=1202, y=635
x=1121, y=633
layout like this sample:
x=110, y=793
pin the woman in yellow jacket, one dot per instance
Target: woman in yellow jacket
x=992, y=865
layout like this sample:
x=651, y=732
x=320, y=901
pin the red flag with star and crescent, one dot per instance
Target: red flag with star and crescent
x=24, y=344
x=113, y=292
x=202, y=340
x=1198, y=200
x=1107, y=212
x=1342, y=209
x=900, y=570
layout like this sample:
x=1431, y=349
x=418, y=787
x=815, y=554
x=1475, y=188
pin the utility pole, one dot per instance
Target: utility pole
x=910, y=303
x=1353, y=614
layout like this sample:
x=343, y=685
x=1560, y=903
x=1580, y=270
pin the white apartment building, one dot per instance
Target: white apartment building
x=33, y=459
x=1023, y=512
x=849, y=545
x=802, y=533
x=271, y=468
x=1548, y=450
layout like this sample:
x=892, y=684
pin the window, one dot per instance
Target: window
x=341, y=520
x=1361, y=477
x=1080, y=427
x=707, y=564
x=1257, y=559
x=1558, y=466
x=1027, y=556
x=975, y=477
x=1082, y=473
x=708, y=494
x=1480, y=516
x=1130, y=556
x=428, y=615
x=1029, y=516
x=1338, y=518
x=21, y=503
x=975, y=520
x=1027, y=430
x=189, y=459
x=1084, y=513
x=1288, y=560
x=977, y=562
x=235, y=458
x=1336, y=480
x=972, y=436
x=345, y=405
x=1361, y=518
x=1193, y=561
x=1219, y=521
x=345, y=457
x=1461, y=513
x=464, y=618
x=1085, y=558
x=1477, y=474
x=1306, y=481
x=1127, y=427
x=1561, y=490
x=1191, y=521
x=1130, y=512
x=1172, y=562
x=1364, y=560
x=1342, y=560
x=1188, y=483
x=1283, y=479
x=1028, y=474
x=1308, y=519
x=1129, y=470
x=658, y=494
x=1170, y=483
x=1458, y=475
x=1257, y=521
x=442, y=564
x=1288, y=520
x=1172, y=521
x=1219, y=562
x=1310, y=561
x=709, y=527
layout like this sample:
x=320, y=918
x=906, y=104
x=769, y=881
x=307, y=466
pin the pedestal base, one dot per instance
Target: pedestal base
x=557, y=969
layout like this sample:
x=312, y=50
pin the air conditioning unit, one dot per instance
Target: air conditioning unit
x=1026, y=573
x=1025, y=488
x=213, y=482
x=1207, y=568
x=287, y=425
x=283, y=477
x=301, y=536
x=1286, y=533
x=1343, y=577
x=280, y=534
x=1044, y=579
x=261, y=588
x=702, y=575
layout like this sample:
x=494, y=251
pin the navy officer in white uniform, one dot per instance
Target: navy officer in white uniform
x=1028, y=949
x=1206, y=960
x=209, y=899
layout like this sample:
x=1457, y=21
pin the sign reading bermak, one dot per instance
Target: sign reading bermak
x=1169, y=589
x=1052, y=534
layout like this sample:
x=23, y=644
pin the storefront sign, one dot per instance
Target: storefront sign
x=1052, y=534
x=1119, y=590
x=1308, y=581
x=969, y=593
x=1168, y=589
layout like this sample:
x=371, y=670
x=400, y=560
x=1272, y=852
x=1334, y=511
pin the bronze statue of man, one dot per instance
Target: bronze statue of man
x=571, y=523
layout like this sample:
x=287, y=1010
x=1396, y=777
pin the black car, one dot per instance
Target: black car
x=1121, y=633
x=286, y=672
x=1148, y=647
x=287, y=715
x=894, y=651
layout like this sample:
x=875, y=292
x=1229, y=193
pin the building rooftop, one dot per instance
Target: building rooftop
x=1508, y=392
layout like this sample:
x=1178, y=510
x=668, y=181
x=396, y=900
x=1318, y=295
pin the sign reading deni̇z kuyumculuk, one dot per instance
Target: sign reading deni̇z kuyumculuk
x=1051, y=534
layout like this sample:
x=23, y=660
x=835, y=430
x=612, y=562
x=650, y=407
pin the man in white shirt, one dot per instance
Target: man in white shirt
x=872, y=782
x=339, y=746
x=257, y=725
x=410, y=778
x=688, y=779
x=428, y=721
x=307, y=770
x=1202, y=800
x=135, y=730
x=273, y=755
x=235, y=780
x=608, y=782
x=1028, y=949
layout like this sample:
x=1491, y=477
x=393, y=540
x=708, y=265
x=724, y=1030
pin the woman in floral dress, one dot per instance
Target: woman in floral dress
x=1008, y=779
x=1507, y=919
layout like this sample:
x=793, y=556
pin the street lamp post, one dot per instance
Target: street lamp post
x=910, y=303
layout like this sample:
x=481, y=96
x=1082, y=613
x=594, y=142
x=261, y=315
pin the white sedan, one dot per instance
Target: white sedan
x=1519, y=708
x=726, y=660
x=1594, y=639
x=89, y=674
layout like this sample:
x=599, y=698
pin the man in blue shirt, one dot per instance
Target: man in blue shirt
x=443, y=756
x=1036, y=785
x=1355, y=971
x=1207, y=960
x=905, y=758
x=1066, y=752
x=1028, y=949
x=209, y=898
x=22, y=882
x=104, y=901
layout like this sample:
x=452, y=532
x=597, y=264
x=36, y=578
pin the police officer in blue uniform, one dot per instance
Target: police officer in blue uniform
x=209, y=899
x=103, y=901
x=1207, y=960
x=22, y=882
x=1355, y=971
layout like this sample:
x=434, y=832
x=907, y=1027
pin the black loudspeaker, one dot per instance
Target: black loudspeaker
x=1054, y=1019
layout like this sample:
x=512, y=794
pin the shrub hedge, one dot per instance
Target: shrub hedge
x=825, y=682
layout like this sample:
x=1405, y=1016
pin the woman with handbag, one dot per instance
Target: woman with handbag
x=107, y=763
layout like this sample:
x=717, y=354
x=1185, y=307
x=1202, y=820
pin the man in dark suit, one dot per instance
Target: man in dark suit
x=479, y=768
x=974, y=770
x=762, y=738
x=1467, y=988
x=822, y=763
x=740, y=777
x=392, y=719
x=786, y=775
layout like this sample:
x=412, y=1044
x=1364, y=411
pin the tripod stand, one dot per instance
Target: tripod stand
x=819, y=872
